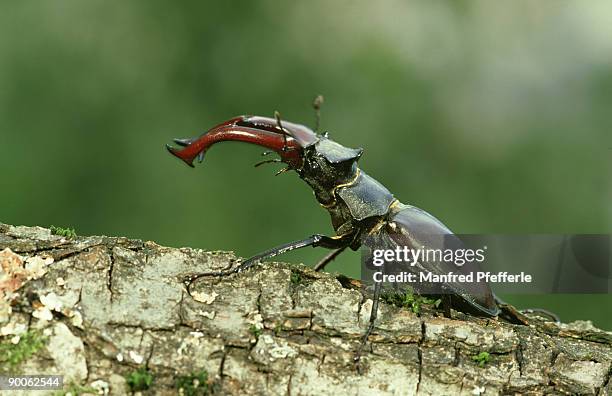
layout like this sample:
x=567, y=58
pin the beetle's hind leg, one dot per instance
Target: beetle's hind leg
x=373, y=315
x=447, y=304
x=550, y=316
x=513, y=315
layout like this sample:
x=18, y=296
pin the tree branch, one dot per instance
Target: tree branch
x=106, y=307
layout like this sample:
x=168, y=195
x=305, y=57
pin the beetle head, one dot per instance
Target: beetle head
x=328, y=163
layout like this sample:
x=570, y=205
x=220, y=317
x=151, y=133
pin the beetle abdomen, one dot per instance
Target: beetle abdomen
x=411, y=227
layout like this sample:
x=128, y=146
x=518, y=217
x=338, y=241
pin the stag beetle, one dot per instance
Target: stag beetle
x=362, y=210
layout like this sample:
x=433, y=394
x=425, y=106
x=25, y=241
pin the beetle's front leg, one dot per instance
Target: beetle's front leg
x=316, y=240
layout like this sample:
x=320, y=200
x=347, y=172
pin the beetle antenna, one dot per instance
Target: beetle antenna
x=282, y=171
x=268, y=161
x=316, y=104
x=278, y=121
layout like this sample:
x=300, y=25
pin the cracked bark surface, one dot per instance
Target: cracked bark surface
x=111, y=305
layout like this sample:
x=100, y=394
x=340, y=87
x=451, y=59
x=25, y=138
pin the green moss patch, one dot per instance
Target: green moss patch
x=409, y=300
x=65, y=232
x=195, y=384
x=255, y=331
x=139, y=380
x=14, y=354
x=482, y=358
x=76, y=390
x=296, y=278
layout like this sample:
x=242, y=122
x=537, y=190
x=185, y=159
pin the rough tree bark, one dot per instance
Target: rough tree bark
x=107, y=306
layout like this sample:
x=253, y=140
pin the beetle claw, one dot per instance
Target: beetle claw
x=174, y=151
x=171, y=149
x=183, y=142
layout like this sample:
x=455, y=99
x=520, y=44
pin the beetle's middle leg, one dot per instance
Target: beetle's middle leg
x=320, y=266
x=373, y=315
x=316, y=240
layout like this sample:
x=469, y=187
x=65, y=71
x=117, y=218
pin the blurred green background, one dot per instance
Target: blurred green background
x=495, y=117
